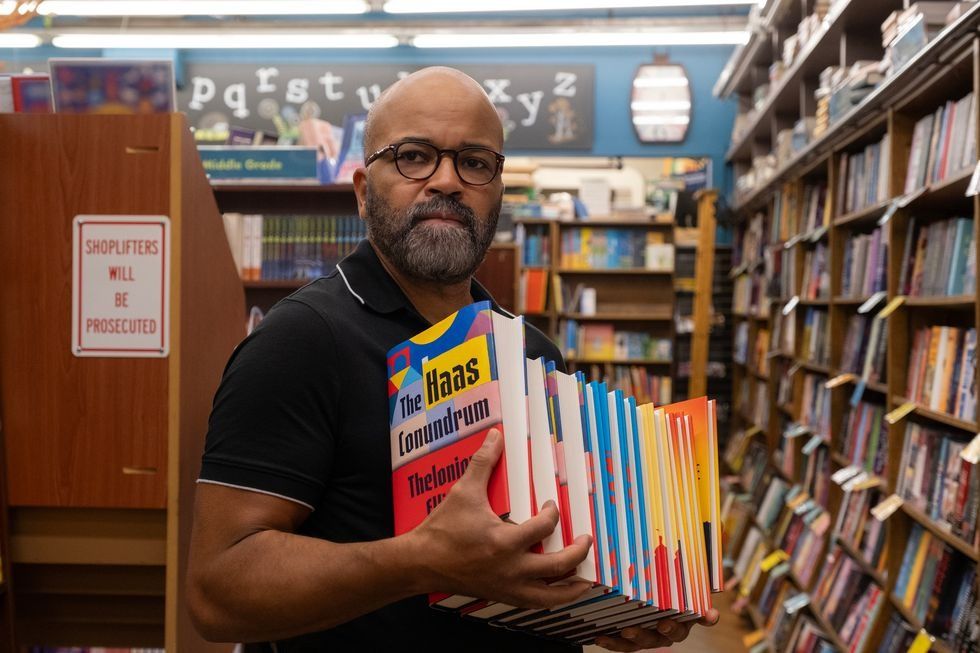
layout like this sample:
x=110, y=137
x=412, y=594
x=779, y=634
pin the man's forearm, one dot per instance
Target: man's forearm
x=273, y=585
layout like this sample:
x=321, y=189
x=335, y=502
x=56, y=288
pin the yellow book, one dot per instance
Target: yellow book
x=915, y=576
x=685, y=551
x=664, y=583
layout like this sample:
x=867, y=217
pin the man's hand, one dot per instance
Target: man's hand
x=467, y=549
x=667, y=633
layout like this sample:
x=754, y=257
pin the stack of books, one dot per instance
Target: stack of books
x=642, y=480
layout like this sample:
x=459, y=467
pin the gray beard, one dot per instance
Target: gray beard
x=429, y=252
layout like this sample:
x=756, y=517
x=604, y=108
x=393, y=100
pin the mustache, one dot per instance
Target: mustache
x=442, y=204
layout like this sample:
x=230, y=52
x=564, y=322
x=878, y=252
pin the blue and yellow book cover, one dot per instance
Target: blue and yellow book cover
x=443, y=398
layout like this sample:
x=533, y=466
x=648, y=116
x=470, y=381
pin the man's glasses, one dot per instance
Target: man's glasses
x=416, y=160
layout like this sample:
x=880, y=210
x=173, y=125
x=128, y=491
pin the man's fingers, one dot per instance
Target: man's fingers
x=535, y=529
x=618, y=644
x=477, y=474
x=559, y=563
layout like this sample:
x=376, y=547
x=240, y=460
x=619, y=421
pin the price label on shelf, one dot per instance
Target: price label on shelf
x=761, y=647
x=794, y=604
x=793, y=370
x=873, y=301
x=752, y=431
x=891, y=307
x=892, y=208
x=773, y=559
x=974, y=187
x=818, y=233
x=905, y=200
x=867, y=484
x=842, y=475
x=887, y=508
x=971, y=452
x=854, y=480
x=791, y=304
x=839, y=380
x=795, y=431
x=812, y=445
x=922, y=642
x=897, y=415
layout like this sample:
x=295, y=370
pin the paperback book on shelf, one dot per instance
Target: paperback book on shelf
x=642, y=480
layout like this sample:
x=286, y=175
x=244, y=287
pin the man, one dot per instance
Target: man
x=292, y=538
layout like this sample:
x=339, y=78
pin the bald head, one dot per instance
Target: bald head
x=435, y=90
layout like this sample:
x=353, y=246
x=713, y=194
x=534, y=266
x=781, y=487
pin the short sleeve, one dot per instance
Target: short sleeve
x=272, y=424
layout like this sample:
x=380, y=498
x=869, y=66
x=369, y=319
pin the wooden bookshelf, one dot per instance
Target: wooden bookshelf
x=100, y=467
x=945, y=70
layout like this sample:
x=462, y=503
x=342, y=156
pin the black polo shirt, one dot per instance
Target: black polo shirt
x=301, y=413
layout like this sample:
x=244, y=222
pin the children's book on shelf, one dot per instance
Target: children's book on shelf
x=112, y=86
x=642, y=480
x=25, y=93
x=351, y=154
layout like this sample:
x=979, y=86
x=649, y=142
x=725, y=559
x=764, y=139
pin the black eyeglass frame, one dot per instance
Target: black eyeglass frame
x=393, y=147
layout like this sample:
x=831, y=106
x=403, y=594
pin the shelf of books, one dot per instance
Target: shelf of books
x=604, y=289
x=853, y=501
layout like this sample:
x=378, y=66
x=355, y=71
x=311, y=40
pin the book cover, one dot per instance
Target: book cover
x=448, y=386
x=112, y=86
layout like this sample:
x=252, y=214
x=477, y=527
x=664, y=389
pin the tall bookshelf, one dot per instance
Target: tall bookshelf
x=795, y=391
x=608, y=257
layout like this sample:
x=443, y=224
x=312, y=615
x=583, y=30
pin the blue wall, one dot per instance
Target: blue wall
x=708, y=134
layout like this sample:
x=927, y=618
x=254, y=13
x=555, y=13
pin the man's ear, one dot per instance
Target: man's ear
x=360, y=189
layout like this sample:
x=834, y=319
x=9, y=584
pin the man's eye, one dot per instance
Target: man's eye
x=413, y=156
x=475, y=163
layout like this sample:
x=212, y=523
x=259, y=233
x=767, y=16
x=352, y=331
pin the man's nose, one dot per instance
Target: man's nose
x=444, y=180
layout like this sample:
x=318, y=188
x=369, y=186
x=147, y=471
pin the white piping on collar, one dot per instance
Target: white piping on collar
x=347, y=283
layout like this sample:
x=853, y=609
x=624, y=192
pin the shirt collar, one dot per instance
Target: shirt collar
x=371, y=285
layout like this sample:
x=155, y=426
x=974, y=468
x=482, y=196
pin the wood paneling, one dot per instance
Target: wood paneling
x=72, y=424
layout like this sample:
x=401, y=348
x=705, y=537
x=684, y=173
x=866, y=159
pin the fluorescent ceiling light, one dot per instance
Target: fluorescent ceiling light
x=212, y=40
x=661, y=120
x=13, y=40
x=199, y=7
x=660, y=105
x=577, y=39
x=480, y=6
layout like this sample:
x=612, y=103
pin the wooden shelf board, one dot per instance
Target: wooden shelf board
x=954, y=541
x=535, y=267
x=970, y=426
x=868, y=215
x=814, y=367
x=964, y=302
x=615, y=271
x=938, y=646
x=815, y=302
x=875, y=386
x=943, y=193
x=828, y=629
x=621, y=317
x=844, y=300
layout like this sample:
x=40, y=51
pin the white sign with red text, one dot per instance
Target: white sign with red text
x=120, y=305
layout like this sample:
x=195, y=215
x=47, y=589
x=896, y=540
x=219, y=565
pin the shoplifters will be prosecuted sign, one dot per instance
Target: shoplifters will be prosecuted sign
x=120, y=286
